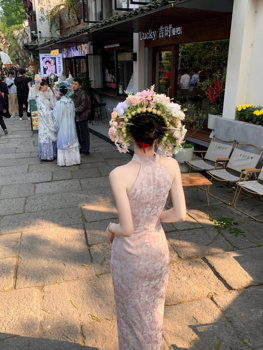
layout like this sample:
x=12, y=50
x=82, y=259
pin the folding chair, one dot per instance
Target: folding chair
x=236, y=167
x=255, y=187
x=216, y=149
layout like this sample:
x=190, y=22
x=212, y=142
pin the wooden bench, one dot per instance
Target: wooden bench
x=196, y=179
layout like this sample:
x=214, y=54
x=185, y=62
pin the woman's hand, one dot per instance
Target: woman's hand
x=110, y=234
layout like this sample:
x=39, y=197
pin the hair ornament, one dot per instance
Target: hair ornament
x=158, y=106
x=63, y=84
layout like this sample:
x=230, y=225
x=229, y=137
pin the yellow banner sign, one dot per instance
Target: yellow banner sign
x=54, y=52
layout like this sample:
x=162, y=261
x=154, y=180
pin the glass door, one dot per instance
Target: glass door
x=163, y=75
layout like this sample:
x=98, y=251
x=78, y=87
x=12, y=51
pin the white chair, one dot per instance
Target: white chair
x=236, y=167
x=217, y=149
x=254, y=187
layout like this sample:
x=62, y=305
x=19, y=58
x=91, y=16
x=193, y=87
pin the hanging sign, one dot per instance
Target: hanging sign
x=162, y=32
x=51, y=64
x=54, y=52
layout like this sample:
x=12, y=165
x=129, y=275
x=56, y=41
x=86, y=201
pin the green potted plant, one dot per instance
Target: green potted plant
x=185, y=154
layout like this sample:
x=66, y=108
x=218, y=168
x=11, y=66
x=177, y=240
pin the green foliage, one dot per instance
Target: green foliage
x=187, y=144
x=227, y=224
x=194, y=117
x=86, y=85
x=71, y=11
x=13, y=12
x=208, y=56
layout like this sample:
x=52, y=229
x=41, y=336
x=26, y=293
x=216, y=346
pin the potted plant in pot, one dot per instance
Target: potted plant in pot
x=185, y=154
x=214, y=90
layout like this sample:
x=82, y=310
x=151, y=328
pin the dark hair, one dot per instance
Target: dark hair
x=11, y=72
x=21, y=71
x=43, y=82
x=63, y=90
x=146, y=128
x=78, y=80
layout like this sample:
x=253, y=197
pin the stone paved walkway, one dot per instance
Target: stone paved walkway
x=55, y=283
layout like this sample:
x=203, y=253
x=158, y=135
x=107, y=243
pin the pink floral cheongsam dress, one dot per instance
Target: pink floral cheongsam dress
x=139, y=263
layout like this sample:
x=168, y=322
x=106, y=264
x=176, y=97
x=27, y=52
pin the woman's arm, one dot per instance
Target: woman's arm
x=119, y=189
x=178, y=211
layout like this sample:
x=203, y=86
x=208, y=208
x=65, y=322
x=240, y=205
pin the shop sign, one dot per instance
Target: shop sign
x=162, y=32
x=51, y=64
x=54, y=52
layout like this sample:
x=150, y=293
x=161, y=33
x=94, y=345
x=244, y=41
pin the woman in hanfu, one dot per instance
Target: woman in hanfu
x=46, y=100
x=64, y=115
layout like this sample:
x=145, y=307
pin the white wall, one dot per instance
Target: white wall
x=138, y=66
x=244, y=68
x=42, y=8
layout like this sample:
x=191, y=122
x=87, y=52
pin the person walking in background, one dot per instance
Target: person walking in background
x=4, y=92
x=185, y=80
x=2, y=112
x=12, y=94
x=64, y=116
x=21, y=82
x=194, y=79
x=140, y=254
x=83, y=109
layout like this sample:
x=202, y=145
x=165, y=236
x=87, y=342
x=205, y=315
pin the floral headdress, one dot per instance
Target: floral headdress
x=38, y=79
x=144, y=103
x=59, y=84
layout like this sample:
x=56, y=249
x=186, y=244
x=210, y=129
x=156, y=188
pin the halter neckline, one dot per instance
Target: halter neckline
x=145, y=159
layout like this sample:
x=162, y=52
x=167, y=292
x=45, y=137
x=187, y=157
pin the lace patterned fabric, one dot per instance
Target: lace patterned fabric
x=70, y=156
x=139, y=263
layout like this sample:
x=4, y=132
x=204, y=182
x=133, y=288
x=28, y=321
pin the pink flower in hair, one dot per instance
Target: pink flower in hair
x=146, y=95
x=132, y=100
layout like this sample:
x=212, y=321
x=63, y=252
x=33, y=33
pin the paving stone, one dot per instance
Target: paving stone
x=23, y=343
x=14, y=155
x=198, y=243
x=244, y=310
x=25, y=178
x=241, y=268
x=7, y=150
x=188, y=224
x=18, y=161
x=9, y=245
x=101, y=335
x=19, y=312
x=14, y=191
x=198, y=325
x=12, y=206
x=62, y=174
x=79, y=302
x=42, y=167
x=7, y=269
x=40, y=220
x=26, y=148
x=92, y=158
x=11, y=170
x=100, y=256
x=85, y=173
x=41, y=202
x=96, y=231
x=102, y=209
x=53, y=257
x=58, y=186
x=95, y=182
x=90, y=165
x=185, y=279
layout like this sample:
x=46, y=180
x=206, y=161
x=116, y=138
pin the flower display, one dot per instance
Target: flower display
x=249, y=113
x=144, y=103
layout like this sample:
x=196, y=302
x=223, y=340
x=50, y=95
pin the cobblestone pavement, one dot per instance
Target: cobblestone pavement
x=55, y=283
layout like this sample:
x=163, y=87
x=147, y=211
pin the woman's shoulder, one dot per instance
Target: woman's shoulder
x=122, y=170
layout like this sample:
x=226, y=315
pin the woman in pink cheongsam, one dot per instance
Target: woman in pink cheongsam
x=140, y=255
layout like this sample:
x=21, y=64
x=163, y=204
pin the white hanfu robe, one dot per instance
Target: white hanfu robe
x=47, y=149
x=67, y=140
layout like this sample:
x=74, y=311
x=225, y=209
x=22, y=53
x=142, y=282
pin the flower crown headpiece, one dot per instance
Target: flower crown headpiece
x=144, y=103
x=38, y=79
x=58, y=85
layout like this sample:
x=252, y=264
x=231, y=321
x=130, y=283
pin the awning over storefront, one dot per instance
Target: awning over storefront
x=153, y=16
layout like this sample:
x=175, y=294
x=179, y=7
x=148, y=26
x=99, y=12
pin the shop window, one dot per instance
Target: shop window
x=92, y=11
x=109, y=71
x=141, y=2
x=124, y=70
